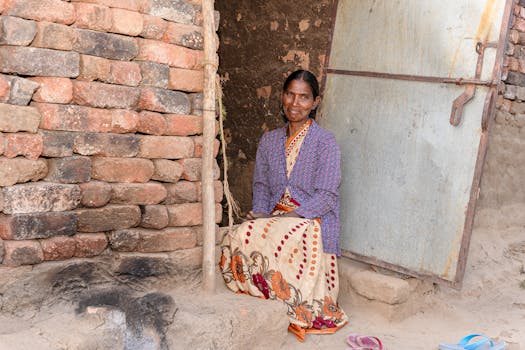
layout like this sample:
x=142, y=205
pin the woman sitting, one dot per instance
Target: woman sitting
x=287, y=249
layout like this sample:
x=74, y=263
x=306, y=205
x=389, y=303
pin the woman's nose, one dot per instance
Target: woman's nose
x=296, y=100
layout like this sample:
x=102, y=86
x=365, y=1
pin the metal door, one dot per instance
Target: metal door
x=409, y=91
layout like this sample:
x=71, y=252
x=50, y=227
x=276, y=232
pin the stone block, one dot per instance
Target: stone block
x=142, y=265
x=69, y=170
x=154, y=74
x=21, y=90
x=182, y=192
x=2, y=144
x=57, y=143
x=58, y=248
x=92, y=16
x=95, y=194
x=162, y=100
x=54, y=36
x=151, y=123
x=137, y=193
x=165, y=147
x=510, y=92
x=24, y=144
x=172, y=55
x=42, y=10
x=37, y=225
x=186, y=80
x=520, y=93
x=102, y=95
x=94, y=68
x=124, y=240
x=124, y=73
x=166, y=240
x=376, y=286
x=5, y=88
x=167, y=170
x=16, y=31
x=39, y=62
x=18, y=253
x=197, y=140
x=106, y=145
x=108, y=218
x=121, y=169
x=127, y=22
x=517, y=107
x=515, y=78
x=187, y=35
x=193, y=169
x=20, y=170
x=153, y=27
x=154, y=216
x=186, y=214
x=173, y=10
x=53, y=90
x=112, y=46
x=183, y=125
x=18, y=118
x=88, y=245
x=218, y=190
x=133, y=5
x=40, y=197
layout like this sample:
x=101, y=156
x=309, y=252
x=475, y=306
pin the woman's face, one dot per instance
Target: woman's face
x=298, y=101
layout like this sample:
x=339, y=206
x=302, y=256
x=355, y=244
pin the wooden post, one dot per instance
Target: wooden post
x=208, y=198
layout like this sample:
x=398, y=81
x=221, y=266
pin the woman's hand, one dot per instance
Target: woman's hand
x=252, y=216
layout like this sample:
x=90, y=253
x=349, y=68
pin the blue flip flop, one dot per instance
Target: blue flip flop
x=466, y=343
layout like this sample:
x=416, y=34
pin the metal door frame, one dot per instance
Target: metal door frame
x=486, y=121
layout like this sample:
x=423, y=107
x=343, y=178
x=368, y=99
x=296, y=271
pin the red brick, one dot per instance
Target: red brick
x=102, y=95
x=166, y=240
x=154, y=74
x=24, y=144
x=124, y=121
x=182, y=192
x=40, y=197
x=133, y=193
x=35, y=61
x=172, y=55
x=57, y=143
x=106, y=145
x=69, y=170
x=124, y=240
x=108, y=218
x=2, y=143
x=5, y=88
x=53, y=90
x=187, y=35
x=54, y=36
x=198, y=146
x=112, y=46
x=42, y=10
x=91, y=16
x=217, y=189
x=165, y=147
x=133, y=5
x=193, y=168
x=183, y=125
x=186, y=80
x=90, y=244
x=16, y=31
x=519, y=24
x=162, y=100
x=167, y=170
x=58, y=248
x=121, y=169
x=21, y=90
x=189, y=214
x=18, y=118
x=94, y=68
x=127, y=22
x=197, y=102
x=153, y=27
x=124, y=73
x=37, y=225
x=20, y=170
x=18, y=253
x=95, y=194
x=154, y=216
x=151, y=123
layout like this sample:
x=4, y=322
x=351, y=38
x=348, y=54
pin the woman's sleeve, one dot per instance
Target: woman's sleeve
x=261, y=184
x=327, y=178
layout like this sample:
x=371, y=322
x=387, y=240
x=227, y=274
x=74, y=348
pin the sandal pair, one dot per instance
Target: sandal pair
x=363, y=342
x=466, y=343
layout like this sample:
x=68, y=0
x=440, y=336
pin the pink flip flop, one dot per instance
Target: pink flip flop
x=363, y=342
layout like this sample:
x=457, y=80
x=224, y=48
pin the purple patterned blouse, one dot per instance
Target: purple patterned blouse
x=314, y=181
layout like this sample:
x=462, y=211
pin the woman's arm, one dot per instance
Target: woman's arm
x=261, y=182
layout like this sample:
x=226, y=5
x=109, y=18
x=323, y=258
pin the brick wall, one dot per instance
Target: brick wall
x=100, y=128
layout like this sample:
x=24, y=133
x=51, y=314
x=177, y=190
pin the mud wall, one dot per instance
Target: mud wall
x=100, y=129
x=261, y=43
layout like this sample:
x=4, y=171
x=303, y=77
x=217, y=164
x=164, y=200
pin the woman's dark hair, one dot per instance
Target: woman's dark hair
x=305, y=76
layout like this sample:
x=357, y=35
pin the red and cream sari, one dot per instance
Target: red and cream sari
x=282, y=258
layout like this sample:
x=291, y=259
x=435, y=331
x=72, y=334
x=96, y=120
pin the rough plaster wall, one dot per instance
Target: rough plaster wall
x=261, y=43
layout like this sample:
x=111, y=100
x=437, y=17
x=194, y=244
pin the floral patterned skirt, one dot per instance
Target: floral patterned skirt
x=282, y=258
